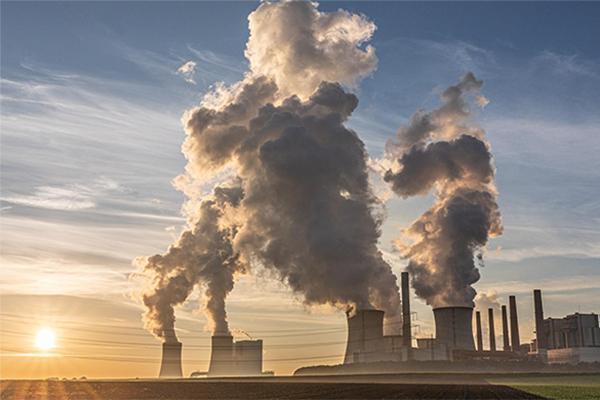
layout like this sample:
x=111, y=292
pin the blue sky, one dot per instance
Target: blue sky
x=91, y=135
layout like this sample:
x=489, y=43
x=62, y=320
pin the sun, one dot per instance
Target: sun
x=45, y=339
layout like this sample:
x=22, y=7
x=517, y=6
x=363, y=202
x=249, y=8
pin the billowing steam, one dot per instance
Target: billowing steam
x=308, y=204
x=202, y=255
x=298, y=47
x=444, y=151
x=302, y=206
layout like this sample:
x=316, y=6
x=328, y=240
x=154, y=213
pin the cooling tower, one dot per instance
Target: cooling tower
x=365, y=336
x=221, y=356
x=248, y=357
x=454, y=327
x=170, y=367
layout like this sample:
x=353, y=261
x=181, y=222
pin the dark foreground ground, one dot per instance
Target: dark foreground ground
x=406, y=386
x=251, y=390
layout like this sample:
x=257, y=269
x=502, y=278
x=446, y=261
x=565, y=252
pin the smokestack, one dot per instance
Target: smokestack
x=406, y=329
x=170, y=367
x=454, y=327
x=514, y=324
x=492, y=329
x=479, y=334
x=539, y=321
x=221, y=356
x=505, y=339
x=365, y=336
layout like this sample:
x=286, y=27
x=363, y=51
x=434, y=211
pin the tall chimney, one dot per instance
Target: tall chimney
x=406, y=329
x=539, y=321
x=170, y=367
x=492, y=330
x=505, y=330
x=514, y=324
x=479, y=333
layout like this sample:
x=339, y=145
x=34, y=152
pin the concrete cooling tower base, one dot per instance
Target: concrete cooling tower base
x=170, y=366
x=454, y=327
x=239, y=358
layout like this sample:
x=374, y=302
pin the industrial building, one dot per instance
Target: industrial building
x=229, y=358
x=367, y=343
x=572, y=339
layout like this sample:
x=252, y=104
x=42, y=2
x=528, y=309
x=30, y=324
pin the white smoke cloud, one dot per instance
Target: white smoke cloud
x=202, y=256
x=444, y=151
x=304, y=208
x=298, y=47
x=486, y=300
x=188, y=71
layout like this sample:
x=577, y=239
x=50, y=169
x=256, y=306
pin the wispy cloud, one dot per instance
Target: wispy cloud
x=67, y=198
x=54, y=198
x=549, y=285
x=218, y=60
x=565, y=64
x=187, y=71
x=463, y=55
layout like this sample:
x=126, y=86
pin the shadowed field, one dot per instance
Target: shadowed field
x=382, y=386
x=267, y=389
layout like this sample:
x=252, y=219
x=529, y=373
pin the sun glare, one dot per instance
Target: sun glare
x=45, y=339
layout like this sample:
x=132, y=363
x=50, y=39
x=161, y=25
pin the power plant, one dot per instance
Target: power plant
x=571, y=339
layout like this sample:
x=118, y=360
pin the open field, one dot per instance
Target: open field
x=567, y=387
x=393, y=386
x=117, y=390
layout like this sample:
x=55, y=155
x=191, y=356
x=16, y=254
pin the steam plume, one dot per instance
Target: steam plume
x=298, y=47
x=305, y=209
x=202, y=255
x=308, y=210
x=308, y=203
x=445, y=151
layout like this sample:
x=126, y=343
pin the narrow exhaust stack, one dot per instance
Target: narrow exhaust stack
x=492, y=329
x=514, y=324
x=539, y=322
x=479, y=333
x=170, y=367
x=406, y=328
x=505, y=339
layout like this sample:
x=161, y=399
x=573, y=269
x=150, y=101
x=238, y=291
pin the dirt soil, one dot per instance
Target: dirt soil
x=268, y=389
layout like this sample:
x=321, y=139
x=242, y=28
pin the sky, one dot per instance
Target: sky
x=92, y=96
